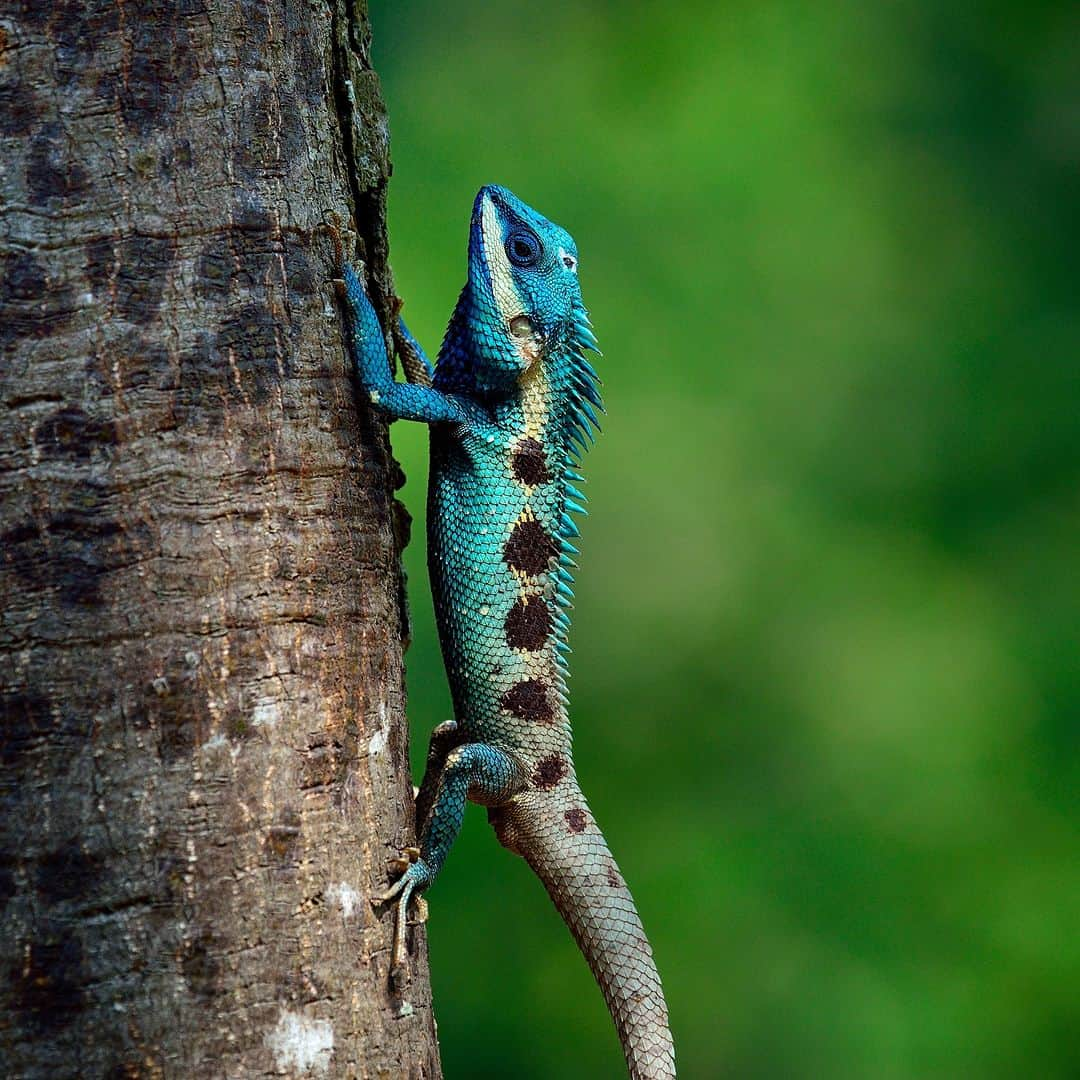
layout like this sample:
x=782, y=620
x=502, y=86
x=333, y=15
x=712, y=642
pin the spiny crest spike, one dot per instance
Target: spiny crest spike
x=583, y=427
x=587, y=409
x=578, y=437
x=588, y=390
x=586, y=337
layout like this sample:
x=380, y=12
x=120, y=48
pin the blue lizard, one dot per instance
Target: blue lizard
x=511, y=406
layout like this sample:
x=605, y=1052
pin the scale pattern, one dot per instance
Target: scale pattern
x=511, y=407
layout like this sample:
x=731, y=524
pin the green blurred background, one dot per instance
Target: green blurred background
x=826, y=687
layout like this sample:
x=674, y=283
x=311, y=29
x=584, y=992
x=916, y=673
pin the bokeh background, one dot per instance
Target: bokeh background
x=826, y=686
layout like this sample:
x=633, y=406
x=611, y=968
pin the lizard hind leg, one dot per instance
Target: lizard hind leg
x=473, y=771
x=444, y=737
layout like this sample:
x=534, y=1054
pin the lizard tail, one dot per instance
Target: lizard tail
x=557, y=835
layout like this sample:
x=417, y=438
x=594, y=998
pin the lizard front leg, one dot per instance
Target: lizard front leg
x=476, y=772
x=367, y=346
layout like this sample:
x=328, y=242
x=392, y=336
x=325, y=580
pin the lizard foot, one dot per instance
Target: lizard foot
x=415, y=878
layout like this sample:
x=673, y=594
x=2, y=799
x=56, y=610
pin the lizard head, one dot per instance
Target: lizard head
x=523, y=283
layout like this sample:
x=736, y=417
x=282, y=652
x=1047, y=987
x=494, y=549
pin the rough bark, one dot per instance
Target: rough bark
x=203, y=759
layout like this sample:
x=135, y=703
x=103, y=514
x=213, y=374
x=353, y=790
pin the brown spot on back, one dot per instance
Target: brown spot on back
x=575, y=819
x=528, y=464
x=613, y=878
x=528, y=700
x=528, y=624
x=530, y=548
x=549, y=771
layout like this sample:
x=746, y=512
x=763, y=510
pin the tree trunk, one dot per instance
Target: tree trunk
x=203, y=756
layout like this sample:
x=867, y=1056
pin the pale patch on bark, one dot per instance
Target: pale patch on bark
x=299, y=1042
x=345, y=896
x=378, y=742
x=266, y=712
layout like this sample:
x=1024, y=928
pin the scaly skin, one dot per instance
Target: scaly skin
x=510, y=408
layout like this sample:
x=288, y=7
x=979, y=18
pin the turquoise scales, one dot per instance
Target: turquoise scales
x=510, y=406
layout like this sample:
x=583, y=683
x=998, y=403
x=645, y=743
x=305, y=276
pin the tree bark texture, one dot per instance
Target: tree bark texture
x=203, y=755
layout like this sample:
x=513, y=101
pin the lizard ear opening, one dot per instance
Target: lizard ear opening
x=521, y=326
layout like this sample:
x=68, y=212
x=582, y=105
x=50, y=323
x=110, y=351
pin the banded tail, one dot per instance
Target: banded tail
x=559, y=838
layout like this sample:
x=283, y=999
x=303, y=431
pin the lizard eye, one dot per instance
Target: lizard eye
x=523, y=247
